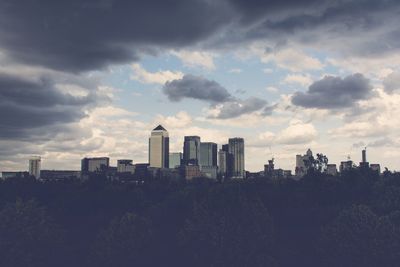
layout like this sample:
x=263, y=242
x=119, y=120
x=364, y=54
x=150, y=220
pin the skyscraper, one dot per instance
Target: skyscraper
x=208, y=154
x=236, y=148
x=191, y=150
x=222, y=163
x=364, y=163
x=208, y=159
x=34, y=166
x=159, y=148
x=225, y=162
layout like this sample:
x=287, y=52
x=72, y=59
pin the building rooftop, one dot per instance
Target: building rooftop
x=159, y=128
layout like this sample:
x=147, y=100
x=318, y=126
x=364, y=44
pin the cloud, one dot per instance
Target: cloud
x=359, y=130
x=383, y=142
x=82, y=35
x=223, y=104
x=237, y=108
x=267, y=111
x=196, y=87
x=359, y=144
x=38, y=108
x=303, y=80
x=297, y=132
x=159, y=77
x=334, y=92
x=391, y=82
x=292, y=59
x=181, y=120
x=114, y=32
x=196, y=59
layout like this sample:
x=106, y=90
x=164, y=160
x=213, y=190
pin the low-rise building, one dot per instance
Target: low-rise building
x=57, y=175
x=18, y=174
x=375, y=167
x=331, y=169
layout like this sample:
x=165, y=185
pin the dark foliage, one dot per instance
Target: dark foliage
x=349, y=220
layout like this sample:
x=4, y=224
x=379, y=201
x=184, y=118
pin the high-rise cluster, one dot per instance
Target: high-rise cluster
x=198, y=158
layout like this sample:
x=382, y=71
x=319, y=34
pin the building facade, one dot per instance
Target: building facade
x=175, y=159
x=375, y=167
x=364, y=164
x=99, y=164
x=159, y=148
x=302, y=165
x=346, y=165
x=208, y=154
x=236, y=149
x=18, y=174
x=125, y=166
x=191, y=171
x=331, y=169
x=59, y=175
x=35, y=166
x=191, y=150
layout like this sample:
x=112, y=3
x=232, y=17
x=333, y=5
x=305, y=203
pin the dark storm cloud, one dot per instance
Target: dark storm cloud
x=240, y=107
x=84, y=34
x=81, y=35
x=196, y=87
x=30, y=108
x=334, y=92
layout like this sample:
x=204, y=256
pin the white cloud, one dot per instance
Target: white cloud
x=358, y=129
x=159, y=77
x=196, y=58
x=301, y=79
x=297, y=132
x=181, y=120
x=293, y=60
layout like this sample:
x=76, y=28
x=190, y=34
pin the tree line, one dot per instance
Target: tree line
x=348, y=220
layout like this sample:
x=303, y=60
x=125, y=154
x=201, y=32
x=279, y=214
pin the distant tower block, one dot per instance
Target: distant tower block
x=236, y=148
x=34, y=166
x=191, y=151
x=364, y=164
x=364, y=155
x=159, y=148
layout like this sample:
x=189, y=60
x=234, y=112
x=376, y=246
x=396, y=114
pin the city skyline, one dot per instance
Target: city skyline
x=228, y=161
x=92, y=79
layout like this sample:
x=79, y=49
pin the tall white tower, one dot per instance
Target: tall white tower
x=159, y=148
x=34, y=166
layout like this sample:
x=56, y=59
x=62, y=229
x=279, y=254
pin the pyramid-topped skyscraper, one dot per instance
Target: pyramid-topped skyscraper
x=159, y=148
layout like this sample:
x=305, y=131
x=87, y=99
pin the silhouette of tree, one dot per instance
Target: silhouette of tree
x=359, y=238
x=28, y=236
x=228, y=230
x=126, y=242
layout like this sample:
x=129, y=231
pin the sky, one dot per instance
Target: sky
x=84, y=78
